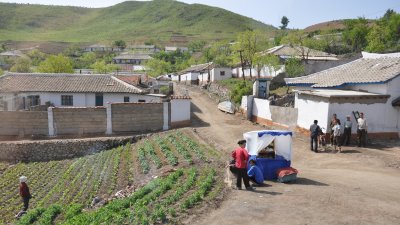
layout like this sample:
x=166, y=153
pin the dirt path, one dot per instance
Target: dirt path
x=359, y=186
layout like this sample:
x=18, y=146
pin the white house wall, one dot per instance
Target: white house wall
x=189, y=76
x=309, y=110
x=216, y=74
x=180, y=110
x=377, y=116
x=261, y=108
x=373, y=88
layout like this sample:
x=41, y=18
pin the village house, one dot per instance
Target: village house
x=369, y=84
x=203, y=73
x=313, y=61
x=142, y=48
x=175, y=48
x=132, y=61
x=20, y=91
x=101, y=48
x=9, y=56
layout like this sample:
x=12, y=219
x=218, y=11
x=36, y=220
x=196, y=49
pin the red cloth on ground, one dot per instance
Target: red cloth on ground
x=24, y=190
x=286, y=171
x=241, y=156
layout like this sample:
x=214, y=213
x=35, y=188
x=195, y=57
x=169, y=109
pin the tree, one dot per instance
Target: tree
x=294, y=67
x=269, y=61
x=158, y=67
x=196, y=46
x=377, y=39
x=355, y=34
x=103, y=68
x=86, y=60
x=284, y=22
x=36, y=57
x=73, y=51
x=120, y=44
x=249, y=43
x=22, y=65
x=1, y=72
x=56, y=64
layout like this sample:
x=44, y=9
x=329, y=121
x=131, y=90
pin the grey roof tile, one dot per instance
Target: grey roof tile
x=361, y=71
x=40, y=82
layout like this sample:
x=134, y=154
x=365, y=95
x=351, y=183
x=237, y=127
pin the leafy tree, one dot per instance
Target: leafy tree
x=355, y=34
x=249, y=43
x=220, y=53
x=103, y=68
x=120, y=44
x=158, y=67
x=303, y=43
x=270, y=61
x=284, y=22
x=36, y=57
x=22, y=65
x=240, y=89
x=376, y=39
x=73, y=51
x=388, y=14
x=86, y=60
x=56, y=64
x=294, y=67
x=196, y=46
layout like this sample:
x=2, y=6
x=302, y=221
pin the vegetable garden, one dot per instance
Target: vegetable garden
x=63, y=190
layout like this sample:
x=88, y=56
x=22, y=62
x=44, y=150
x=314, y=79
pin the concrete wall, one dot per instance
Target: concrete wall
x=79, y=121
x=23, y=123
x=45, y=150
x=264, y=72
x=135, y=117
x=180, y=112
x=264, y=113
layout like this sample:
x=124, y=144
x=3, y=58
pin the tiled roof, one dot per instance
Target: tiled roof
x=298, y=51
x=133, y=56
x=372, y=68
x=197, y=68
x=40, y=82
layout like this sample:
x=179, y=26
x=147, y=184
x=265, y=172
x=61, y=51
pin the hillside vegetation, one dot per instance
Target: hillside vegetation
x=139, y=21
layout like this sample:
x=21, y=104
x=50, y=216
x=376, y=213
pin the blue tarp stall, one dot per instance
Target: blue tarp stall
x=258, y=140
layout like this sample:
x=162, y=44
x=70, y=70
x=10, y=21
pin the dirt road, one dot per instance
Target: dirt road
x=359, y=186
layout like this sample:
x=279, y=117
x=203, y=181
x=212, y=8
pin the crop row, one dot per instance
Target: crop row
x=192, y=145
x=180, y=148
x=154, y=203
x=166, y=150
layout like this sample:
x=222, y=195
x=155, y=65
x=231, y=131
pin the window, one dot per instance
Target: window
x=33, y=100
x=67, y=100
x=222, y=73
x=126, y=99
x=141, y=100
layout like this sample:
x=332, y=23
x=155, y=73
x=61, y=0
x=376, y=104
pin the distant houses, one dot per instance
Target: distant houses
x=175, y=48
x=203, y=73
x=370, y=85
x=101, y=48
x=132, y=61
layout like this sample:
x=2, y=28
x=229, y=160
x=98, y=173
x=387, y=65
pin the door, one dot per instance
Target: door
x=99, y=99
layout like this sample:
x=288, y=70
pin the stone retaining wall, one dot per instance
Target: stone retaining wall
x=46, y=150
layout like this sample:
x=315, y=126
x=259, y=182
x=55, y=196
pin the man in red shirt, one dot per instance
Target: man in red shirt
x=241, y=157
x=24, y=192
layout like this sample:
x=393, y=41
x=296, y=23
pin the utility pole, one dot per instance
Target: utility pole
x=241, y=61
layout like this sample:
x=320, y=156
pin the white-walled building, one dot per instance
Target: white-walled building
x=199, y=74
x=22, y=91
x=370, y=85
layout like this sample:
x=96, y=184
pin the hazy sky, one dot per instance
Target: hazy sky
x=301, y=13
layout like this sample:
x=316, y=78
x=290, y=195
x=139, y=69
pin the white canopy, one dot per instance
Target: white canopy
x=258, y=140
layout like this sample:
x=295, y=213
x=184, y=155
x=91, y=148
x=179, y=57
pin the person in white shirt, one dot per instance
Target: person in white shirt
x=347, y=131
x=337, y=131
x=362, y=130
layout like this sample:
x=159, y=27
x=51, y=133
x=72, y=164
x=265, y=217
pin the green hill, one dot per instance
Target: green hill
x=157, y=20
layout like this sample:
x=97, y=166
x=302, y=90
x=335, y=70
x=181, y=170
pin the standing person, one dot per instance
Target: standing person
x=24, y=192
x=315, y=131
x=241, y=156
x=334, y=119
x=347, y=131
x=255, y=174
x=336, y=136
x=362, y=130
